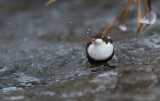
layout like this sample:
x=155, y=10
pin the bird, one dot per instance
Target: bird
x=100, y=49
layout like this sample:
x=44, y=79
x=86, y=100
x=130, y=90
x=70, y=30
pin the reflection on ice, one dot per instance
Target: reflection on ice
x=149, y=18
x=14, y=98
x=107, y=78
x=7, y=89
x=46, y=93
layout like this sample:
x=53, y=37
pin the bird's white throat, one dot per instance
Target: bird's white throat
x=98, y=41
x=99, y=50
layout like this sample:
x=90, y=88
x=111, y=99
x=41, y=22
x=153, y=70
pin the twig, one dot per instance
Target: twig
x=139, y=24
x=125, y=17
x=147, y=9
x=49, y=2
x=119, y=15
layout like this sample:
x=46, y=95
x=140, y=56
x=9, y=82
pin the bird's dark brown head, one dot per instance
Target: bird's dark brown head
x=98, y=35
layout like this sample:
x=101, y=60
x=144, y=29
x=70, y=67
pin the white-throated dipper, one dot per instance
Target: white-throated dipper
x=100, y=49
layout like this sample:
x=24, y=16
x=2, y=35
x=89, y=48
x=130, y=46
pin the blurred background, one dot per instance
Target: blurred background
x=42, y=52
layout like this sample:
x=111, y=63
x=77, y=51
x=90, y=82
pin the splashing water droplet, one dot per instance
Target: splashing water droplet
x=89, y=29
x=149, y=18
x=122, y=27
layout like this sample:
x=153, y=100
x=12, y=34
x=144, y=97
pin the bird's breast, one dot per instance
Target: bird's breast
x=100, y=52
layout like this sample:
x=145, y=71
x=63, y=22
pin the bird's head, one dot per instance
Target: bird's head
x=97, y=38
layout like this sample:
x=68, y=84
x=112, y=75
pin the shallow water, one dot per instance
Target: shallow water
x=42, y=53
